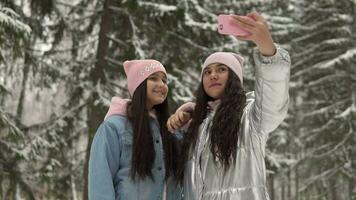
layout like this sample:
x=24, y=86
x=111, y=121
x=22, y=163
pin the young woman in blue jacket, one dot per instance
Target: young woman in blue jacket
x=132, y=154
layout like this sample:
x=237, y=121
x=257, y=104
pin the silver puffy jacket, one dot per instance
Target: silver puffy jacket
x=266, y=108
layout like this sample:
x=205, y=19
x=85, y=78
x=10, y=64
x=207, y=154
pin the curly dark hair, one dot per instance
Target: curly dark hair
x=225, y=128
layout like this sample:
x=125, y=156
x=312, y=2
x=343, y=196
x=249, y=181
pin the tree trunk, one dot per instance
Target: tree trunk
x=10, y=190
x=289, y=192
x=25, y=71
x=1, y=189
x=333, y=190
x=352, y=182
x=95, y=111
x=283, y=188
x=271, y=186
x=352, y=187
x=296, y=183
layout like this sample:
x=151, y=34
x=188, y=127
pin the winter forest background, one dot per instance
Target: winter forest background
x=61, y=62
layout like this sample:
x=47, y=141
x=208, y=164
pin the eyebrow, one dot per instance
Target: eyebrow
x=221, y=65
x=156, y=75
x=215, y=64
x=207, y=68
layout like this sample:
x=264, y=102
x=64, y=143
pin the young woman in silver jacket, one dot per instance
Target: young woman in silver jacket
x=224, y=145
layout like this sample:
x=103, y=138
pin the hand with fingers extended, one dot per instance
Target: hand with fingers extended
x=177, y=120
x=260, y=34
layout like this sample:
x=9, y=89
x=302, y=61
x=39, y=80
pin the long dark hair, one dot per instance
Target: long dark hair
x=143, y=153
x=225, y=128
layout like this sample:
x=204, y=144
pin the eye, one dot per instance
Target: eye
x=156, y=79
x=222, y=69
x=164, y=80
x=153, y=78
x=207, y=72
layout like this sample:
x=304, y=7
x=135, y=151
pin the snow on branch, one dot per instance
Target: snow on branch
x=206, y=26
x=162, y=8
x=6, y=119
x=325, y=43
x=181, y=93
x=202, y=10
x=135, y=29
x=322, y=176
x=34, y=143
x=313, y=133
x=58, y=121
x=317, y=32
x=347, y=112
x=30, y=150
x=189, y=21
x=137, y=41
x=347, y=56
x=318, y=66
x=189, y=41
x=4, y=90
x=277, y=160
x=8, y=18
x=335, y=148
x=77, y=6
x=328, y=78
x=327, y=110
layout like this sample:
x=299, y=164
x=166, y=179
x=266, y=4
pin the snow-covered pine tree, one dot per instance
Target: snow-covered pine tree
x=38, y=158
x=324, y=72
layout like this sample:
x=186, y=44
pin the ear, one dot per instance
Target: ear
x=239, y=58
x=127, y=64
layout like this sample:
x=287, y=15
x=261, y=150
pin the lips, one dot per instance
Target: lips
x=214, y=85
x=159, y=93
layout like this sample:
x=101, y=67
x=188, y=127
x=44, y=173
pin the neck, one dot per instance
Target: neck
x=149, y=107
x=213, y=104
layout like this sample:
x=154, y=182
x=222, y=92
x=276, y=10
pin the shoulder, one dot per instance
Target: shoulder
x=116, y=121
x=114, y=126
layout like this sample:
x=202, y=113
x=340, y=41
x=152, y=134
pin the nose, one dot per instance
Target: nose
x=213, y=75
x=162, y=86
x=161, y=83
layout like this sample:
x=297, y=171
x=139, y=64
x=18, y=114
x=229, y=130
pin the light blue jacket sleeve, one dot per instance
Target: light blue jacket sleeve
x=104, y=162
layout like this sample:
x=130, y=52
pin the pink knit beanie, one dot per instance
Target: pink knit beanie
x=231, y=60
x=138, y=70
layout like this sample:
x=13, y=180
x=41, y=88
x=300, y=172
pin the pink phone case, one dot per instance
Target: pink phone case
x=226, y=26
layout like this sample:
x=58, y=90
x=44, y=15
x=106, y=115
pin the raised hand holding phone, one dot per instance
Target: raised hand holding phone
x=227, y=26
x=259, y=32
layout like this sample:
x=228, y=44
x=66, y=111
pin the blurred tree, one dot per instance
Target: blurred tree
x=324, y=55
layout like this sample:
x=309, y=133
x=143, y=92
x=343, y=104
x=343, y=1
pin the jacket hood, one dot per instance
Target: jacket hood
x=117, y=107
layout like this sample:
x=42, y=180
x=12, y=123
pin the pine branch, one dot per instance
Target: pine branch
x=189, y=41
x=11, y=123
x=345, y=57
x=163, y=8
x=9, y=20
x=78, y=7
x=66, y=49
x=113, y=61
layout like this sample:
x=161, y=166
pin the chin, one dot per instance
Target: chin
x=215, y=98
x=214, y=95
x=159, y=101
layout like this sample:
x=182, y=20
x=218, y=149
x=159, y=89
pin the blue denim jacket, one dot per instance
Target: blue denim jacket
x=110, y=164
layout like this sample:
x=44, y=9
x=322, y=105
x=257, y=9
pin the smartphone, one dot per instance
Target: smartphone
x=226, y=26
